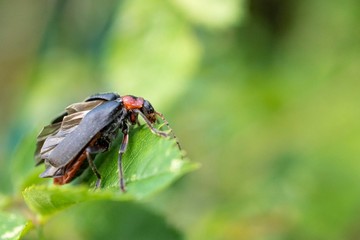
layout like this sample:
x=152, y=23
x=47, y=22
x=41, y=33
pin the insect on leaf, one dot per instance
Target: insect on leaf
x=151, y=163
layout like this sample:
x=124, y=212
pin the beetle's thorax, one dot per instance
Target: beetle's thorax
x=131, y=102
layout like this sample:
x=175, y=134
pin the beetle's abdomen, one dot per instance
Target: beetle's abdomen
x=72, y=171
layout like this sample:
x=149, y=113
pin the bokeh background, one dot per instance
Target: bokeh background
x=263, y=93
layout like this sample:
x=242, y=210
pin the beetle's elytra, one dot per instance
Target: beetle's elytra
x=68, y=144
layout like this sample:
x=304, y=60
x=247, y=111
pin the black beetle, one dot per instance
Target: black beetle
x=88, y=128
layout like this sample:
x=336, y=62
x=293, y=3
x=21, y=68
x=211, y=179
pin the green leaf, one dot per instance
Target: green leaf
x=94, y=220
x=151, y=163
x=12, y=226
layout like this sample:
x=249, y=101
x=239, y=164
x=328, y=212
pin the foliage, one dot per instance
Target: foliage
x=12, y=226
x=263, y=93
x=151, y=164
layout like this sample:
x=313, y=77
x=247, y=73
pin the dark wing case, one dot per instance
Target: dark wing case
x=75, y=141
x=103, y=96
x=52, y=134
x=46, y=132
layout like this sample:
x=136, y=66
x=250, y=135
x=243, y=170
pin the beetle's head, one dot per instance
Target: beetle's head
x=149, y=112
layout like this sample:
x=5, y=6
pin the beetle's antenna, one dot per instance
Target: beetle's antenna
x=157, y=131
x=167, y=124
x=149, y=124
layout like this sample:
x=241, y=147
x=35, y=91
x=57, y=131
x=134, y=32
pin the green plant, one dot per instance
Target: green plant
x=151, y=164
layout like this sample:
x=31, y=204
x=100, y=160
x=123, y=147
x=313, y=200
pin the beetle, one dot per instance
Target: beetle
x=67, y=145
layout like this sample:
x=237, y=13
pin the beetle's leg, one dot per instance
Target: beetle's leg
x=148, y=123
x=89, y=151
x=122, y=149
x=156, y=131
x=136, y=119
x=168, y=125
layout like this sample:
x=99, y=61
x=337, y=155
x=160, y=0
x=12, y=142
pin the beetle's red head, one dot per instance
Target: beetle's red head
x=148, y=110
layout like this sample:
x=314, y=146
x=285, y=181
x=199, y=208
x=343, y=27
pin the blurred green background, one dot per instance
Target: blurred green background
x=263, y=93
